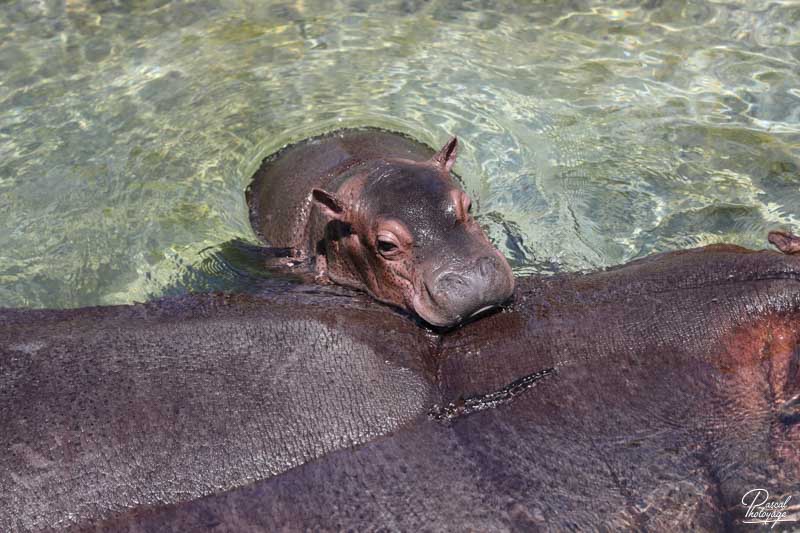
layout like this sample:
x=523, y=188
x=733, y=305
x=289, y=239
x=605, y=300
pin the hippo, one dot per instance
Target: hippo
x=379, y=212
x=655, y=395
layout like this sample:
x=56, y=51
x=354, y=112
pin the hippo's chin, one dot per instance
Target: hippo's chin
x=441, y=319
x=441, y=322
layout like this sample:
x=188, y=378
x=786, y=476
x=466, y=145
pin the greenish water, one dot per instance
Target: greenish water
x=592, y=132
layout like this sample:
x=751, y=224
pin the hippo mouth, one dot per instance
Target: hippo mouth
x=483, y=310
x=424, y=305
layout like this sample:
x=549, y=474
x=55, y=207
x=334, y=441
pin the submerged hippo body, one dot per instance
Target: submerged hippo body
x=380, y=212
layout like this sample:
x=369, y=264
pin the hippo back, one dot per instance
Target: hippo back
x=278, y=196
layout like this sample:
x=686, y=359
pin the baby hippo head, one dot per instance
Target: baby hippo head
x=403, y=231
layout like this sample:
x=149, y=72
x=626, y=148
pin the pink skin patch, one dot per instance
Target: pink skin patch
x=784, y=241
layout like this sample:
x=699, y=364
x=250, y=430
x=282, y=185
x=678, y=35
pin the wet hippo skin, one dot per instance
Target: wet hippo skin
x=674, y=392
x=108, y=407
x=380, y=212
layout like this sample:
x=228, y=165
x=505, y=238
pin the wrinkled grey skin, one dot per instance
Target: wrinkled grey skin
x=675, y=392
x=379, y=212
x=104, y=408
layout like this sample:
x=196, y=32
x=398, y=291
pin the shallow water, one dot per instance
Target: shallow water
x=593, y=133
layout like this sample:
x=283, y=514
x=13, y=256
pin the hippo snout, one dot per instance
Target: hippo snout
x=469, y=285
x=455, y=295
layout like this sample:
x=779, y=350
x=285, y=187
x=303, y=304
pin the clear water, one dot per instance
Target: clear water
x=593, y=133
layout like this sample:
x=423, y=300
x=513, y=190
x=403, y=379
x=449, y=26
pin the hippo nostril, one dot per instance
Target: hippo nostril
x=450, y=282
x=487, y=265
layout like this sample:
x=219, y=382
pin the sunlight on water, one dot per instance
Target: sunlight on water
x=592, y=134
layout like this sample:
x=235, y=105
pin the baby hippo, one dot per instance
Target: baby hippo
x=380, y=212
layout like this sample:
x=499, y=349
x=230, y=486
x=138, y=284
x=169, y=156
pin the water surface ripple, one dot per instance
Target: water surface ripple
x=593, y=132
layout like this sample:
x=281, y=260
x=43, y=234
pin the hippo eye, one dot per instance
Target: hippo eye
x=392, y=240
x=387, y=247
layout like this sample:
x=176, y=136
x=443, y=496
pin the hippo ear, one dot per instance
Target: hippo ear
x=329, y=203
x=446, y=157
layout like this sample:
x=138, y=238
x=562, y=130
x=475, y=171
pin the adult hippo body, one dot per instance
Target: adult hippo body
x=380, y=212
x=665, y=389
x=676, y=391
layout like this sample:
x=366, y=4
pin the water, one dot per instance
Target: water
x=592, y=133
